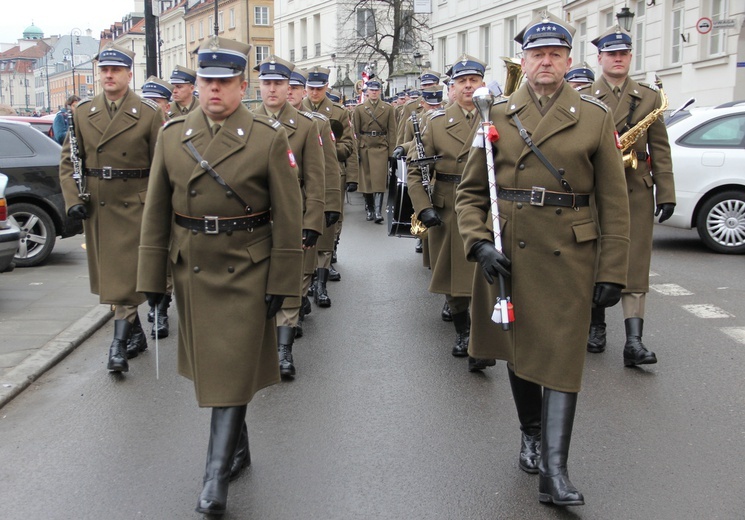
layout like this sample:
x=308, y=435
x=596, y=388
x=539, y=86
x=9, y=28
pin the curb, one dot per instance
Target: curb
x=31, y=368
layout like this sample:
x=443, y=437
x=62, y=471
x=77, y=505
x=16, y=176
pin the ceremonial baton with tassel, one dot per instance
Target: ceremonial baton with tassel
x=155, y=328
x=487, y=134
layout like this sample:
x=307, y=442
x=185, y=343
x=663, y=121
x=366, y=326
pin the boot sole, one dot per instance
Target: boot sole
x=595, y=350
x=632, y=363
x=526, y=469
x=117, y=369
x=548, y=499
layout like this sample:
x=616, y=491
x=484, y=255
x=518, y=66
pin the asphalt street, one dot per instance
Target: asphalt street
x=383, y=423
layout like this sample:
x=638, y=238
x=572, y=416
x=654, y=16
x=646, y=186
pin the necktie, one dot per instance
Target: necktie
x=471, y=119
x=112, y=108
x=617, y=91
x=543, y=100
x=215, y=129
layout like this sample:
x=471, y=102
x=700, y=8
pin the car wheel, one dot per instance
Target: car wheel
x=37, y=233
x=721, y=222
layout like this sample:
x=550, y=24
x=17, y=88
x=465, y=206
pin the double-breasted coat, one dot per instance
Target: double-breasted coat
x=112, y=229
x=227, y=346
x=651, y=179
x=375, y=124
x=307, y=146
x=446, y=133
x=178, y=110
x=552, y=248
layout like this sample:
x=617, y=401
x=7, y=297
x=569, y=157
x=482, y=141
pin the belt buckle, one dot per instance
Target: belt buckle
x=106, y=172
x=210, y=225
x=537, y=196
x=374, y=133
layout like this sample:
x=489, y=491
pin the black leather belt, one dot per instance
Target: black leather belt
x=212, y=225
x=540, y=197
x=374, y=133
x=110, y=173
x=446, y=177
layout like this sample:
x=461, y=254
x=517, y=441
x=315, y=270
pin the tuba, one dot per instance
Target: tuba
x=514, y=75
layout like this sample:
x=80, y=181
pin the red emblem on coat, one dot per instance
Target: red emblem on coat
x=618, y=141
x=291, y=156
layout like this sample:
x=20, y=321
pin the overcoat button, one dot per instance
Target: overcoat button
x=521, y=167
x=557, y=252
x=126, y=204
x=228, y=194
x=460, y=160
x=231, y=269
x=193, y=193
x=558, y=211
x=522, y=245
x=519, y=205
x=229, y=232
x=100, y=150
x=194, y=231
x=196, y=268
x=102, y=203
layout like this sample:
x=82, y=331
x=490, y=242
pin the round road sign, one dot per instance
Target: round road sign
x=704, y=25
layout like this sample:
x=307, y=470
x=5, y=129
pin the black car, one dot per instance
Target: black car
x=31, y=161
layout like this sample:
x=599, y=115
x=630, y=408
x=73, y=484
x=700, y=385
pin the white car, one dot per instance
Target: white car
x=708, y=151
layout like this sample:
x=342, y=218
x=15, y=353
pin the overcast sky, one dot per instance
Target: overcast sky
x=60, y=17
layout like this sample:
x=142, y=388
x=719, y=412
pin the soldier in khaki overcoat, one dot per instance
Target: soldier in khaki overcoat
x=448, y=134
x=550, y=237
x=307, y=147
x=317, y=84
x=116, y=133
x=184, y=101
x=651, y=186
x=234, y=248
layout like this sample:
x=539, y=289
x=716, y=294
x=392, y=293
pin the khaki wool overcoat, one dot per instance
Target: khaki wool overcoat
x=446, y=133
x=112, y=229
x=375, y=125
x=226, y=344
x=644, y=183
x=552, y=248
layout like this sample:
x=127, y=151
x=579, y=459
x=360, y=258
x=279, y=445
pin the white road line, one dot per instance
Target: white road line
x=736, y=333
x=670, y=289
x=652, y=273
x=706, y=310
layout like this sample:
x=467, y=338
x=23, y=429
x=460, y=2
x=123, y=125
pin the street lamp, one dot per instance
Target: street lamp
x=418, y=59
x=625, y=18
x=74, y=32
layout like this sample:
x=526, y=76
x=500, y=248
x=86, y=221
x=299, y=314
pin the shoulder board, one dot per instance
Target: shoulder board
x=586, y=86
x=500, y=100
x=305, y=114
x=437, y=113
x=150, y=103
x=338, y=105
x=84, y=101
x=320, y=116
x=268, y=121
x=174, y=121
x=650, y=86
x=594, y=101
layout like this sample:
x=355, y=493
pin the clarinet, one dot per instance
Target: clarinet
x=77, y=163
x=424, y=168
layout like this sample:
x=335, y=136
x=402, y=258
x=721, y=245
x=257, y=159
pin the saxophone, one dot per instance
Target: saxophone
x=630, y=137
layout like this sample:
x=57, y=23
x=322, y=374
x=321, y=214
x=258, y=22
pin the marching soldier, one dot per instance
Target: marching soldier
x=184, y=100
x=375, y=124
x=550, y=236
x=581, y=76
x=217, y=173
x=317, y=102
x=651, y=187
x=116, y=133
x=307, y=147
x=427, y=80
x=448, y=134
x=159, y=91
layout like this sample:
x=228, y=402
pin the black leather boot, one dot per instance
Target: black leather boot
x=462, y=334
x=151, y=315
x=369, y=206
x=322, y=298
x=446, y=315
x=137, y=340
x=378, y=208
x=596, y=339
x=285, y=339
x=161, y=328
x=334, y=275
x=634, y=351
x=477, y=364
x=225, y=431
x=557, y=420
x=312, y=288
x=418, y=248
x=333, y=255
x=242, y=457
x=528, y=401
x=118, y=348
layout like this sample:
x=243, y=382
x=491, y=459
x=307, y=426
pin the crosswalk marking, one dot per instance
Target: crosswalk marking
x=706, y=310
x=736, y=333
x=670, y=289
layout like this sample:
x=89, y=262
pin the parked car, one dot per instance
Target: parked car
x=35, y=202
x=708, y=151
x=43, y=124
x=10, y=235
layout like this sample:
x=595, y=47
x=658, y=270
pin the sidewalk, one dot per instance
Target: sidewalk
x=45, y=312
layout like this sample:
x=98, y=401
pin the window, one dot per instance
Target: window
x=485, y=42
x=261, y=15
x=318, y=50
x=726, y=132
x=304, y=51
x=676, y=23
x=292, y=55
x=717, y=36
x=220, y=23
x=231, y=18
x=442, y=47
x=191, y=32
x=408, y=43
x=462, y=43
x=210, y=25
x=365, y=23
x=638, y=36
x=179, y=29
x=12, y=146
x=610, y=18
x=510, y=31
x=262, y=53
x=580, y=42
x=201, y=29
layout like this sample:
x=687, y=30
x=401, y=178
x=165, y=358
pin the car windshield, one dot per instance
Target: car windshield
x=724, y=132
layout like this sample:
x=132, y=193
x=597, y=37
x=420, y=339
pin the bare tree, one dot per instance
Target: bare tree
x=386, y=30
